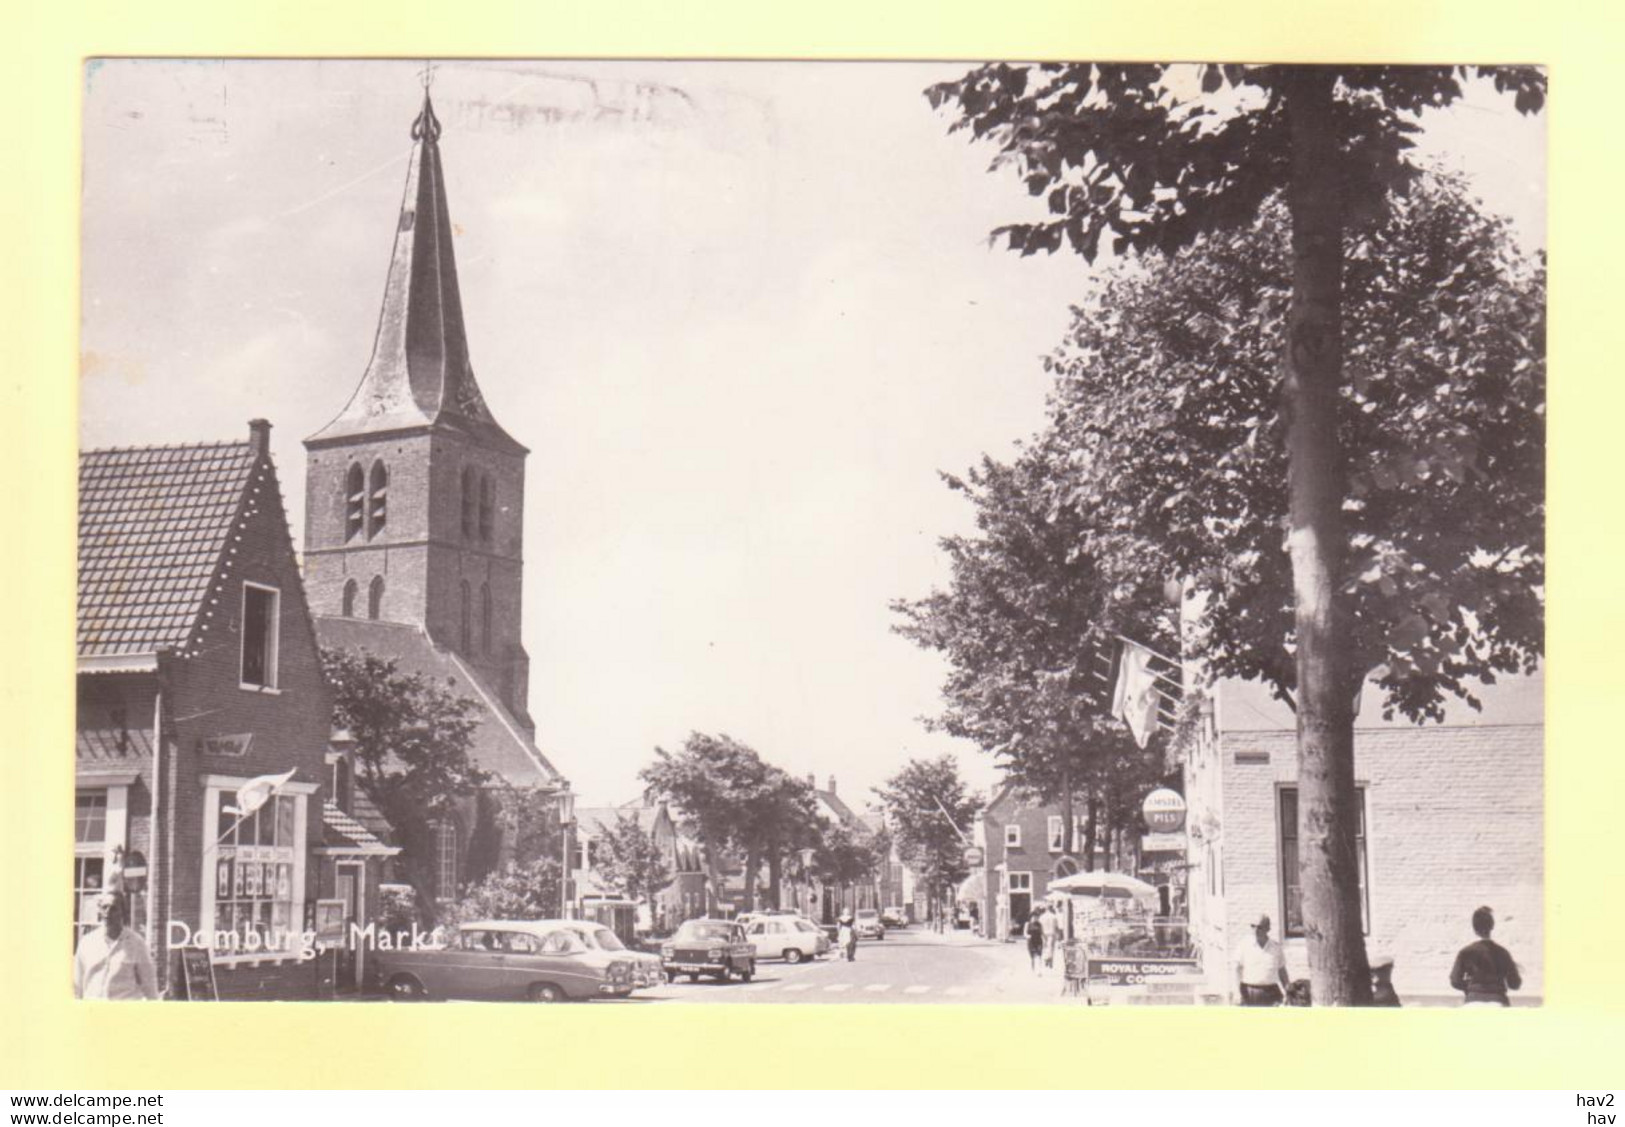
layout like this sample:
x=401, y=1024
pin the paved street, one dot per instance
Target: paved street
x=912, y=965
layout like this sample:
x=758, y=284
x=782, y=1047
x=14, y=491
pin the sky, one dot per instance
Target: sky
x=742, y=314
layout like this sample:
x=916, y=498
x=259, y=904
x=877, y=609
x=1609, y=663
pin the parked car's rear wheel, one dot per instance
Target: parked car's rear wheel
x=793, y=955
x=405, y=988
x=546, y=992
x=671, y=976
x=693, y=978
x=747, y=972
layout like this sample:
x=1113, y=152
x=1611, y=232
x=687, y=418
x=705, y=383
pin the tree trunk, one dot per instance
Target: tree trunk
x=1328, y=869
x=753, y=864
x=1091, y=815
x=775, y=876
x=1066, y=811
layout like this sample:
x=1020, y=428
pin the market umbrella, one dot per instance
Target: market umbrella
x=1106, y=886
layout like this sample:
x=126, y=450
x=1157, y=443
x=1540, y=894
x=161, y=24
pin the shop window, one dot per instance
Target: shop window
x=89, y=866
x=258, y=874
x=446, y=860
x=377, y=500
x=349, y=598
x=375, y=598
x=487, y=506
x=355, y=502
x=1291, y=889
x=259, y=636
x=1012, y=837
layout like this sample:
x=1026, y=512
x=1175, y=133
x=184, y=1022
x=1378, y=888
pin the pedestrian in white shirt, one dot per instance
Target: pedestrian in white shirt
x=1261, y=968
x=1052, y=934
x=113, y=962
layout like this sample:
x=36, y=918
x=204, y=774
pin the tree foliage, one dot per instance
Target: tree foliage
x=513, y=892
x=632, y=862
x=411, y=747
x=929, y=809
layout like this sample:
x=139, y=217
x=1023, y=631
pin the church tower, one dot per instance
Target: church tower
x=414, y=495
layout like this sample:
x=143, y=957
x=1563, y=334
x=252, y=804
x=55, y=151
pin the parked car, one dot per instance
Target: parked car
x=714, y=947
x=792, y=938
x=867, y=923
x=894, y=916
x=647, y=969
x=511, y=960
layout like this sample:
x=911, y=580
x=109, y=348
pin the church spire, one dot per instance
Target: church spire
x=419, y=374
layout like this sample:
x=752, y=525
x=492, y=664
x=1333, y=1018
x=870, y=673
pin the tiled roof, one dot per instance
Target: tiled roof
x=501, y=746
x=841, y=810
x=344, y=832
x=605, y=817
x=153, y=522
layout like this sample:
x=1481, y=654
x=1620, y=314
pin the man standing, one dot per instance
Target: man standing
x=113, y=962
x=1484, y=970
x=1052, y=934
x=1262, y=969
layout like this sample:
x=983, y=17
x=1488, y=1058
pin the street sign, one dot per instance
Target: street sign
x=973, y=856
x=1139, y=972
x=1164, y=810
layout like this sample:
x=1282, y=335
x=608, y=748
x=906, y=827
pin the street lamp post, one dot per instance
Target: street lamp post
x=567, y=810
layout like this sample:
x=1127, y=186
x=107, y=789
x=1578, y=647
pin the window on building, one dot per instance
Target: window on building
x=90, y=843
x=485, y=618
x=339, y=783
x=1057, y=832
x=1291, y=889
x=377, y=500
x=467, y=632
x=487, y=506
x=258, y=872
x=259, y=636
x=375, y=598
x=1012, y=837
x=350, y=590
x=355, y=502
x=446, y=860
x=470, y=503
x=1020, y=882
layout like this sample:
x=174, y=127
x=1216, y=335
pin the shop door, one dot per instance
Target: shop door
x=350, y=887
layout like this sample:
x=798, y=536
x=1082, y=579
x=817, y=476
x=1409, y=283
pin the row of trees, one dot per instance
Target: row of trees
x=1310, y=395
x=737, y=805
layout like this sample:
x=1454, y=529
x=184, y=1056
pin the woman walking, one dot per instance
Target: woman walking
x=1035, y=938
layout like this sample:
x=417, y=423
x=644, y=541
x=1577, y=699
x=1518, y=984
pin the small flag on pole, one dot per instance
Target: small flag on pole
x=257, y=792
x=1137, y=698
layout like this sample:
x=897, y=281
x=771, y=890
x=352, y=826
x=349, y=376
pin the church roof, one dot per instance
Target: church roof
x=153, y=524
x=420, y=375
x=501, y=744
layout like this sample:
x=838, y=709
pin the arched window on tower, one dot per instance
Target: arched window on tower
x=469, y=503
x=377, y=498
x=468, y=626
x=485, y=617
x=375, y=598
x=487, y=504
x=355, y=502
x=349, y=598
x=446, y=860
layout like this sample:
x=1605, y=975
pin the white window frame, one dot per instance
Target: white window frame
x=274, y=637
x=115, y=829
x=1026, y=882
x=1012, y=836
x=1055, y=827
x=213, y=785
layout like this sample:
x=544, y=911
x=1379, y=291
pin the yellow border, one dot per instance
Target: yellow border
x=45, y=1041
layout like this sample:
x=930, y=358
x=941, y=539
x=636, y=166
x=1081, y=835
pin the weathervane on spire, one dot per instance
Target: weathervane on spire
x=427, y=126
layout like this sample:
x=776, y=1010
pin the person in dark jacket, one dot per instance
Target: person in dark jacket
x=1484, y=970
x=1035, y=939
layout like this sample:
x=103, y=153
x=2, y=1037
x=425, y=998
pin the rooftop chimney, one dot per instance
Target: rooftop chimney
x=812, y=781
x=832, y=784
x=259, y=437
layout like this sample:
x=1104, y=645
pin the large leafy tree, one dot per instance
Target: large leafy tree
x=781, y=819
x=1154, y=157
x=1027, y=624
x=929, y=810
x=843, y=858
x=710, y=782
x=633, y=862
x=412, y=739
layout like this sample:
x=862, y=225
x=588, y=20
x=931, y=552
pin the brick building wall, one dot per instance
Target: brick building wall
x=204, y=701
x=1453, y=817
